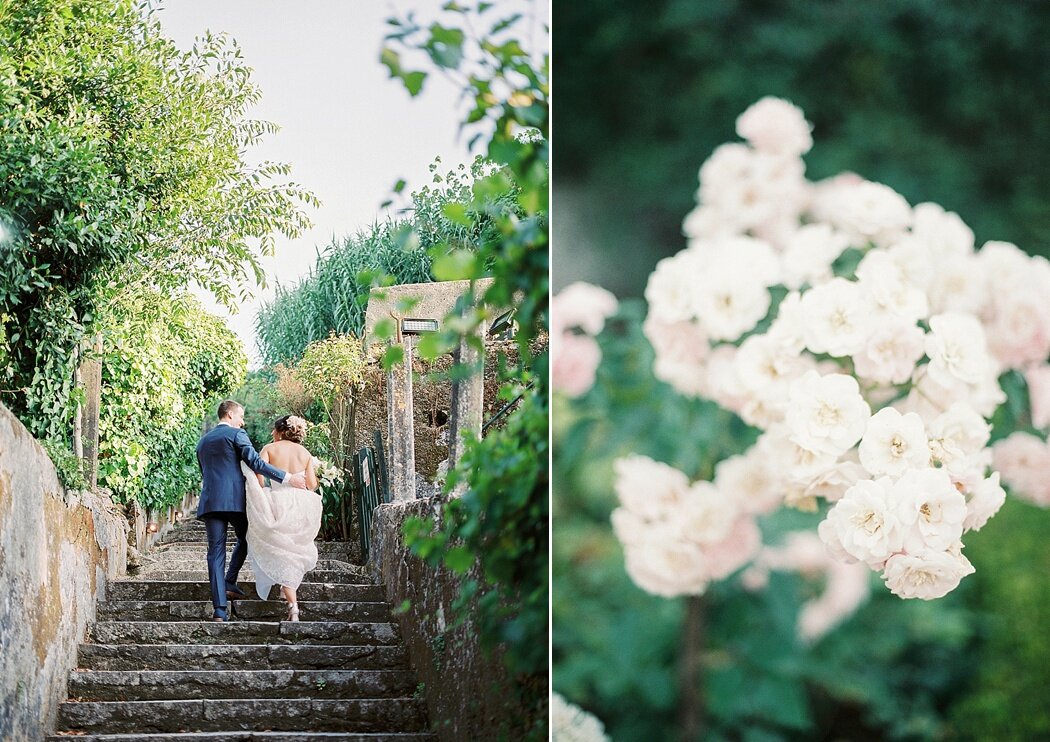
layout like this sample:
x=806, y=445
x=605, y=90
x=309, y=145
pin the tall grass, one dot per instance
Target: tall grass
x=333, y=296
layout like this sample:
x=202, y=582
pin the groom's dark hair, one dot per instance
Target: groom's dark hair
x=226, y=405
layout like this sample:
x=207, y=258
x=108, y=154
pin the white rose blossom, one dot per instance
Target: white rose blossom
x=890, y=353
x=943, y=231
x=926, y=575
x=866, y=522
x=678, y=536
x=927, y=500
x=890, y=294
x=649, y=488
x=837, y=318
x=826, y=414
x=582, y=305
x=894, y=443
x=809, y=253
x=775, y=125
x=871, y=213
x=958, y=438
x=570, y=723
x=671, y=287
x=682, y=350
x=983, y=502
x=956, y=348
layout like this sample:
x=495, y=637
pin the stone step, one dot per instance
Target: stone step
x=232, y=736
x=190, y=536
x=152, y=589
x=278, y=714
x=243, y=632
x=154, y=685
x=336, y=549
x=193, y=565
x=240, y=657
x=201, y=575
x=201, y=610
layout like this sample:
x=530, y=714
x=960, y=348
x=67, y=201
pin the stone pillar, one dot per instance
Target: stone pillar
x=91, y=377
x=467, y=400
x=401, y=435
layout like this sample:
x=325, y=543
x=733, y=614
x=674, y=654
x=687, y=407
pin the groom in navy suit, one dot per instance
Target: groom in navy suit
x=220, y=453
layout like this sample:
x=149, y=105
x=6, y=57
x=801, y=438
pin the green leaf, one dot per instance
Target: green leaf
x=456, y=265
x=457, y=212
x=459, y=559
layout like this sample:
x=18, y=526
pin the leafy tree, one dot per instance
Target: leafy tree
x=166, y=365
x=259, y=397
x=121, y=166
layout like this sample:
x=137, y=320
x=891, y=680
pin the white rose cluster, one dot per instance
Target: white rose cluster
x=679, y=536
x=864, y=337
x=570, y=723
x=578, y=313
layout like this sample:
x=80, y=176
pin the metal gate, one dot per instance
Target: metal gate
x=371, y=485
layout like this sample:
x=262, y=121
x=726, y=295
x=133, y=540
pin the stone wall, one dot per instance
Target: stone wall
x=432, y=402
x=465, y=690
x=57, y=551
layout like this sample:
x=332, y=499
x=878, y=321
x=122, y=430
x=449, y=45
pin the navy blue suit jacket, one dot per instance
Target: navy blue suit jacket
x=220, y=453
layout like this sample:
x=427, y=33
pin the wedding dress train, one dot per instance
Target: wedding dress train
x=283, y=522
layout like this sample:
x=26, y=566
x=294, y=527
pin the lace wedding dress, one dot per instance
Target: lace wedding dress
x=283, y=522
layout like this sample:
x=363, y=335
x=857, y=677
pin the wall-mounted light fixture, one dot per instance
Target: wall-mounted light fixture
x=418, y=326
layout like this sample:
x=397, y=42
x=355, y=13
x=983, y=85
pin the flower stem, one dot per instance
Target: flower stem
x=690, y=675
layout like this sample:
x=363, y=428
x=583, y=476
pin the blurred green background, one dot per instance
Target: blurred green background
x=945, y=102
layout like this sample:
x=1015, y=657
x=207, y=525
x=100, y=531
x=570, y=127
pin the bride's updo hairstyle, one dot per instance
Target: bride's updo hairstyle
x=291, y=428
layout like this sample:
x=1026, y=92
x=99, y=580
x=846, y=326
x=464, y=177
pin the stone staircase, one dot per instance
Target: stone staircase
x=156, y=667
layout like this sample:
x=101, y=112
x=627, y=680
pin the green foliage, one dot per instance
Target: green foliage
x=331, y=372
x=941, y=101
x=495, y=532
x=1008, y=697
x=66, y=464
x=259, y=398
x=121, y=167
x=167, y=364
x=332, y=368
x=333, y=297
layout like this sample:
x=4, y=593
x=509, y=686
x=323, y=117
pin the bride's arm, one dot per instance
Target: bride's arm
x=311, y=476
x=265, y=456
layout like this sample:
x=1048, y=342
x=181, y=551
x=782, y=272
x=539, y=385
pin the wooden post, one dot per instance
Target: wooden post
x=85, y=435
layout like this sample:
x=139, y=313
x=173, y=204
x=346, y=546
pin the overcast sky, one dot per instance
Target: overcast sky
x=347, y=129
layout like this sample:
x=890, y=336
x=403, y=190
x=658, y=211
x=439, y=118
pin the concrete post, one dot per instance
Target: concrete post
x=468, y=392
x=400, y=428
x=467, y=400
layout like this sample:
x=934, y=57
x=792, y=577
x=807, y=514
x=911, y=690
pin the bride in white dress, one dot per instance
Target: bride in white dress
x=283, y=521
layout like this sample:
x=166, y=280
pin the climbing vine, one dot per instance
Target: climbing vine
x=498, y=527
